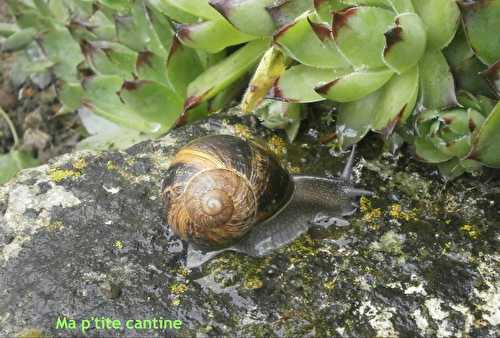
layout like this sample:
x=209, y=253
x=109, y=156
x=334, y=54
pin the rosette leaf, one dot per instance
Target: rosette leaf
x=459, y=140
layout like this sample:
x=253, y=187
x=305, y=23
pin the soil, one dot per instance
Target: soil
x=33, y=111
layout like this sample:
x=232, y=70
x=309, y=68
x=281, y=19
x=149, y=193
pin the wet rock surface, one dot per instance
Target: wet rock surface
x=84, y=237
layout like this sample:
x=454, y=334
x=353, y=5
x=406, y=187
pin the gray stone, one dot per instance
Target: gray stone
x=85, y=237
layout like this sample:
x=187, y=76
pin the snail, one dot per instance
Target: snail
x=225, y=193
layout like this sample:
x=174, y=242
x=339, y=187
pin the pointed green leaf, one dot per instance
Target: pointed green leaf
x=11, y=163
x=437, y=85
x=492, y=75
x=27, y=16
x=154, y=101
x=487, y=140
x=298, y=82
x=466, y=67
x=7, y=29
x=282, y=115
x=325, y=8
x=228, y=97
x=451, y=169
x=174, y=13
x=70, y=95
x=211, y=36
x=154, y=29
x=441, y=19
x=427, y=152
x=355, y=85
x=116, y=139
x=224, y=73
x=300, y=42
x=64, y=52
x=284, y=12
x=248, y=16
x=354, y=119
x=108, y=58
x=128, y=34
x=482, y=19
x=200, y=8
x=118, y=5
x=183, y=66
x=396, y=101
x=270, y=68
x=152, y=67
x=101, y=97
x=18, y=40
x=399, y=6
x=359, y=34
x=103, y=26
x=405, y=43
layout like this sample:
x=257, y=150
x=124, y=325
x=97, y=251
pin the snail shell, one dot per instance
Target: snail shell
x=219, y=186
x=224, y=193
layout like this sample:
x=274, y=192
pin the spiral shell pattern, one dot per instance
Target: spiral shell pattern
x=219, y=186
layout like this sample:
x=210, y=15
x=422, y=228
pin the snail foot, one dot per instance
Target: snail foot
x=326, y=221
x=355, y=192
x=197, y=257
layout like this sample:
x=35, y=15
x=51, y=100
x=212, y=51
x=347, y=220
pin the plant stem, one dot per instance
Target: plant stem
x=15, y=136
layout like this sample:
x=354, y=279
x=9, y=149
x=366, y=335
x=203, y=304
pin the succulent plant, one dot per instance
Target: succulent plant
x=461, y=139
x=474, y=54
x=147, y=65
x=119, y=59
x=372, y=57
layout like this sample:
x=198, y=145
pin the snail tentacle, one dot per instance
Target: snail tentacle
x=347, y=172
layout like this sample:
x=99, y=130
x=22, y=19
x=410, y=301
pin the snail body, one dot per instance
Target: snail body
x=225, y=193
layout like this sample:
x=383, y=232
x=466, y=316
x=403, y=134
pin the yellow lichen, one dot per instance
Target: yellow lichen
x=55, y=226
x=301, y=249
x=277, y=145
x=183, y=271
x=58, y=175
x=110, y=165
x=118, y=245
x=330, y=285
x=242, y=131
x=178, y=288
x=293, y=169
x=253, y=282
x=80, y=164
x=372, y=215
x=396, y=212
x=31, y=333
x=176, y=301
x=471, y=230
x=365, y=204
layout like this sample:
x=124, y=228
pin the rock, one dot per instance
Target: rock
x=83, y=245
